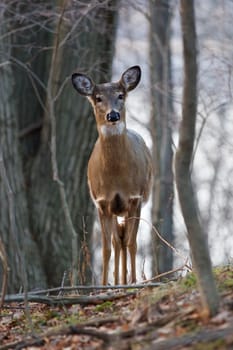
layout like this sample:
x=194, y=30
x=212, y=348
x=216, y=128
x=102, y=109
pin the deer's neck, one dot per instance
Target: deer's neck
x=113, y=142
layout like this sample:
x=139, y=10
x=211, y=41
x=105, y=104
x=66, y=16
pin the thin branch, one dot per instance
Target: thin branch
x=176, y=251
x=181, y=268
x=29, y=129
x=2, y=64
x=91, y=7
x=203, y=124
x=37, y=93
x=17, y=30
x=61, y=88
x=28, y=70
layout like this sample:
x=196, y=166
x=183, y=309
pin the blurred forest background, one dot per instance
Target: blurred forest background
x=47, y=131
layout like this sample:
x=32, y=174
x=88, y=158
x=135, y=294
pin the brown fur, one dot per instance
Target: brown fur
x=119, y=170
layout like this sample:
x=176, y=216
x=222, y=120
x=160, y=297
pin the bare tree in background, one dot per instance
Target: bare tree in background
x=214, y=126
x=197, y=239
x=160, y=74
x=42, y=43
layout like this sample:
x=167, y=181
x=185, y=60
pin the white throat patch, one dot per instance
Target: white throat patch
x=112, y=129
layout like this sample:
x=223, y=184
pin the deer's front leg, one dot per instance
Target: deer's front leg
x=124, y=264
x=106, y=222
x=120, y=249
x=131, y=234
x=121, y=232
x=117, y=248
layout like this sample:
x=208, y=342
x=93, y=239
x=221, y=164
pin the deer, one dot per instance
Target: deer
x=119, y=170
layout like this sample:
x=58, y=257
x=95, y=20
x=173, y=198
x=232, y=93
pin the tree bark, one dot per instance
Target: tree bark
x=86, y=39
x=197, y=239
x=22, y=251
x=160, y=73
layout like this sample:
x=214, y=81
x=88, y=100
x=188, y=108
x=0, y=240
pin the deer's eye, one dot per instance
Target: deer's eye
x=98, y=99
x=121, y=96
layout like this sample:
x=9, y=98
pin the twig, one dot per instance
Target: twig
x=29, y=129
x=29, y=71
x=2, y=64
x=204, y=122
x=165, y=242
x=165, y=273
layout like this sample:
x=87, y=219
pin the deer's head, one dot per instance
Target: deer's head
x=108, y=100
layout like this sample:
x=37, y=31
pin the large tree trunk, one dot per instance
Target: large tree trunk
x=197, y=239
x=83, y=37
x=22, y=251
x=160, y=73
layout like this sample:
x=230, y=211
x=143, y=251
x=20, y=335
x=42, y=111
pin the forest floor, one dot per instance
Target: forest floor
x=168, y=316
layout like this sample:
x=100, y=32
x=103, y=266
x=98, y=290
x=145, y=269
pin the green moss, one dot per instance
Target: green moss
x=72, y=319
x=104, y=306
x=189, y=281
x=224, y=277
x=214, y=345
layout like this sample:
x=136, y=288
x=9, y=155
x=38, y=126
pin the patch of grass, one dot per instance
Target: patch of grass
x=214, y=345
x=106, y=306
x=152, y=296
x=224, y=277
x=72, y=319
x=189, y=281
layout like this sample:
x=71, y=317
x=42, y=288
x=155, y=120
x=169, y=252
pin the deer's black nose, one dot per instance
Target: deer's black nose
x=113, y=116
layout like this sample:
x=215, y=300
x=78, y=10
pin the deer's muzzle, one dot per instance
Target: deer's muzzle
x=113, y=116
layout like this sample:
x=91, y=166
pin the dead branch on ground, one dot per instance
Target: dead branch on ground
x=68, y=300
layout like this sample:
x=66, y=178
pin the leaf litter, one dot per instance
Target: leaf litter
x=165, y=317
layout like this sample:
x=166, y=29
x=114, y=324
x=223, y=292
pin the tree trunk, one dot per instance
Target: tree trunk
x=162, y=197
x=83, y=36
x=22, y=251
x=197, y=239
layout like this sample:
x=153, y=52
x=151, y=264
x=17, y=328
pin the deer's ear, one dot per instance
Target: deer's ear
x=131, y=77
x=83, y=84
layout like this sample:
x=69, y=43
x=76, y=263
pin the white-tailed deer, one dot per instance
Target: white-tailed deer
x=119, y=169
